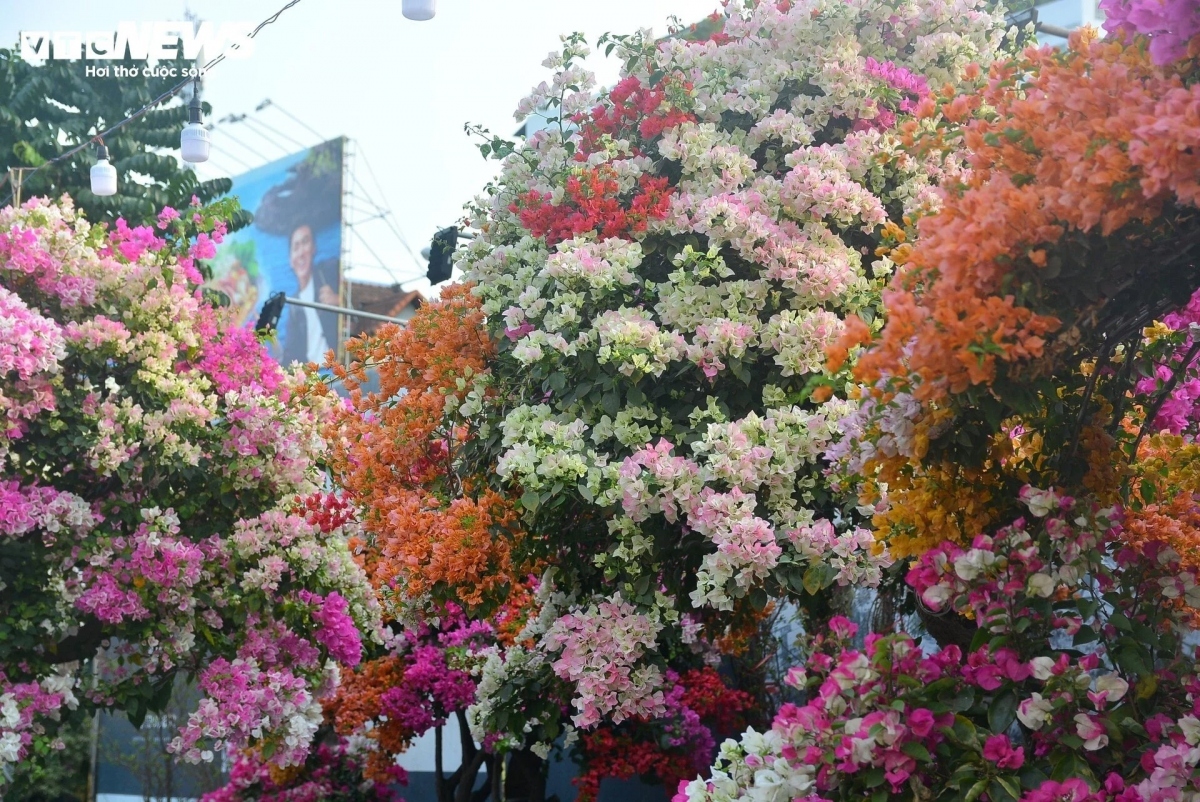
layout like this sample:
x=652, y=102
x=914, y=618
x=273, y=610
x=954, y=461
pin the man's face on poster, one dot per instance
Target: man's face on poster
x=302, y=254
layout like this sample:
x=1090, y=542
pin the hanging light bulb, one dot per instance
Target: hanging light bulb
x=194, y=144
x=419, y=10
x=104, y=175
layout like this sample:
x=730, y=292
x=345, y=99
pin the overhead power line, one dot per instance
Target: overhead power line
x=268, y=103
x=254, y=121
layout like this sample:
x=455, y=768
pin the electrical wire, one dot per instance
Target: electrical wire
x=282, y=148
x=381, y=264
x=252, y=120
x=268, y=102
x=236, y=141
x=226, y=152
x=388, y=217
x=382, y=212
x=170, y=93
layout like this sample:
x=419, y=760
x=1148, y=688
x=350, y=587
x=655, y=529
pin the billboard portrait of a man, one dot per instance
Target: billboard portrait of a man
x=310, y=332
x=292, y=246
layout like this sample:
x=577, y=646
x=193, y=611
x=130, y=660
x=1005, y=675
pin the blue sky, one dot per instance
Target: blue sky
x=401, y=89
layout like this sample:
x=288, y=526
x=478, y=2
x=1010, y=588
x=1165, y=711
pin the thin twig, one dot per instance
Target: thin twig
x=1169, y=388
x=1101, y=363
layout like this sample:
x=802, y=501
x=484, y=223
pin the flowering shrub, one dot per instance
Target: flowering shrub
x=1015, y=323
x=1171, y=25
x=426, y=678
x=151, y=464
x=674, y=745
x=1017, y=379
x=661, y=270
x=402, y=454
x=1077, y=684
x=332, y=773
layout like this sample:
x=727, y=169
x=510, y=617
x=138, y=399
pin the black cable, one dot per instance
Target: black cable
x=388, y=216
x=226, y=152
x=382, y=265
x=268, y=102
x=384, y=214
x=236, y=141
x=282, y=149
x=275, y=131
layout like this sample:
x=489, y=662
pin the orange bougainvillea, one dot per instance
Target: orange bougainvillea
x=1084, y=171
x=1088, y=140
x=1163, y=504
x=434, y=531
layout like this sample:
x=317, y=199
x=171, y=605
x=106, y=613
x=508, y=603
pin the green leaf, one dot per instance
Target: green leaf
x=962, y=701
x=529, y=500
x=1002, y=712
x=873, y=777
x=1032, y=778
x=136, y=712
x=916, y=751
x=818, y=577
x=611, y=403
x=976, y=790
x=965, y=731
x=1003, y=789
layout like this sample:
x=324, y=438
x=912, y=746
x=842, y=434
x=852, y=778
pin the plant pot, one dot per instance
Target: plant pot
x=948, y=628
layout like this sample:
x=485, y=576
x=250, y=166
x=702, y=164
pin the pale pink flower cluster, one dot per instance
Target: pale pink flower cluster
x=271, y=445
x=31, y=347
x=770, y=149
x=599, y=648
x=23, y=708
x=631, y=340
x=820, y=192
x=747, y=547
x=851, y=554
x=152, y=426
x=720, y=339
x=242, y=701
x=24, y=509
x=746, y=551
x=596, y=267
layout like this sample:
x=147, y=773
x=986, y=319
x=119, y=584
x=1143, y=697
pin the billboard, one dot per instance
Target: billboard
x=294, y=246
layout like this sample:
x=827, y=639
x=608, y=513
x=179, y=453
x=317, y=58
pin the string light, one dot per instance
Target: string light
x=419, y=10
x=194, y=143
x=170, y=93
x=104, y=175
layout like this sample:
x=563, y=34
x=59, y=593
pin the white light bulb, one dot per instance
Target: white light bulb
x=419, y=10
x=194, y=143
x=104, y=175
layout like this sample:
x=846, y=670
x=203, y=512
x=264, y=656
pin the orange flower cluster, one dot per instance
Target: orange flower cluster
x=357, y=701
x=1163, y=504
x=434, y=530
x=1096, y=141
x=1094, y=137
x=1175, y=522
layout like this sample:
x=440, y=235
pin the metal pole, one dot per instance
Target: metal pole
x=345, y=287
x=1053, y=30
x=94, y=740
x=341, y=310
